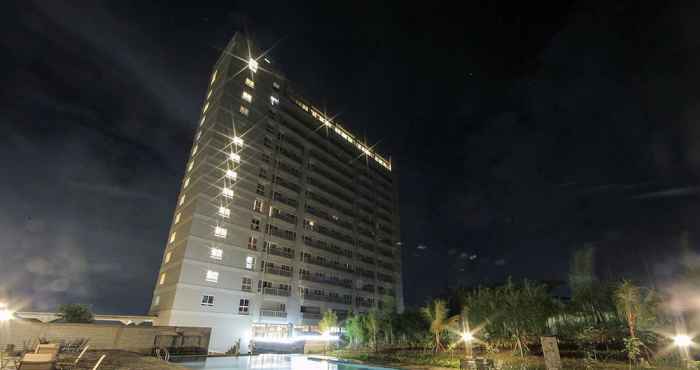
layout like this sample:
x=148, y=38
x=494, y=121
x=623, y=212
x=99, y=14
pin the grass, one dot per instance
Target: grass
x=417, y=359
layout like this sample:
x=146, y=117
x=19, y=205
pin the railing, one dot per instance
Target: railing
x=287, y=184
x=326, y=298
x=363, y=303
x=311, y=315
x=328, y=203
x=325, y=263
x=336, y=179
x=280, y=252
x=327, y=247
x=385, y=252
x=364, y=273
x=269, y=313
x=368, y=288
x=285, y=217
x=278, y=271
x=287, y=153
x=276, y=292
x=385, y=265
x=365, y=259
x=286, y=200
x=327, y=217
x=321, y=158
x=289, y=169
x=365, y=232
x=333, y=234
x=284, y=234
x=327, y=189
x=365, y=245
x=385, y=278
x=322, y=280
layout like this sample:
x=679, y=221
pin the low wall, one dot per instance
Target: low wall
x=101, y=336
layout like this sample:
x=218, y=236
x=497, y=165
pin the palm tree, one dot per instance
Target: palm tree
x=436, y=314
x=629, y=304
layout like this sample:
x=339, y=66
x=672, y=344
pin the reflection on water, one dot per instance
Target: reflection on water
x=272, y=362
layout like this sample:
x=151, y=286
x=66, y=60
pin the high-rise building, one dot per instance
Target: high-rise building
x=282, y=214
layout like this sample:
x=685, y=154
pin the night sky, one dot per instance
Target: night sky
x=519, y=134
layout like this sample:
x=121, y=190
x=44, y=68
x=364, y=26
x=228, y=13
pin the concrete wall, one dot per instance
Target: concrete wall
x=101, y=336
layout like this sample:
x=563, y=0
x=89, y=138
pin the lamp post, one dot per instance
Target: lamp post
x=683, y=342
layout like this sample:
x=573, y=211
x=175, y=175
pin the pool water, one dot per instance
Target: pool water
x=274, y=362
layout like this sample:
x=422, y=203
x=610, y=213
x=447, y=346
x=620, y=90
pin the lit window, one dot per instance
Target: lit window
x=220, y=231
x=206, y=106
x=213, y=77
x=246, y=284
x=250, y=262
x=258, y=205
x=199, y=135
x=162, y=279
x=273, y=100
x=252, y=243
x=253, y=65
x=235, y=157
x=247, y=97
x=168, y=256
x=177, y=217
x=194, y=150
x=227, y=192
x=190, y=166
x=216, y=253
x=249, y=83
x=182, y=199
x=172, y=237
x=224, y=212
x=275, y=85
x=202, y=121
x=156, y=300
x=237, y=140
x=212, y=276
x=207, y=300
x=244, y=111
x=231, y=174
x=186, y=182
x=267, y=60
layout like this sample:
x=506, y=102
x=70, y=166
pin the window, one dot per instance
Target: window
x=201, y=122
x=206, y=106
x=308, y=225
x=237, y=140
x=261, y=189
x=247, y=284
x=207, y=300
x=263, y=173
x=231, y=174
x=252, y=243
x=172, y=237
x=194, y=149
x=265, y=157
x=249, y=83
x=189, y=166
x=208, y=94
x=182, y=200
x=275, y=85
x=250, y=262
x=156, y=300
x=244, y=111
x=199, y=135
x=186, y=182
x=243, y=306
x=224, y=212
x=255, y=224
x=227, y=192
x=267, y=142
x=213, y=77
x=247, y=97
x=220, y=232
x=216, y=253
x=236, y=158
x=168, y=256
x=177, y=217
x=161, y=281
x=212, y=276
x=258, y=205
x=274, y=100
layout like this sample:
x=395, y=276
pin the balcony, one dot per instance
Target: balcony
x=337, y=165
x=365, y=245
x=365, y=232
x=368, y=288
x=365, y=259
x=280, y=252
x=289, y=169
x=289, y=154
x=364, y=273
x=285, y=200
x=311, y=316
x=276, y=292
x=332, y=177
x=385, y=265
x=327, y=247
x=327, y=189
x=333, y=234
x=326, y=298
x=385, y=278
x=318, y=261
x=275, y=314
x=280, y=233
x=324, y=215
x=325, y=280
x=385, y=252
x=363, y=303
x=287, y=184
x=286, y=217
x=278, y=271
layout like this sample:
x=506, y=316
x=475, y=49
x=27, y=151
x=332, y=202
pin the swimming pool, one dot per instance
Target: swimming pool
x=274, y=362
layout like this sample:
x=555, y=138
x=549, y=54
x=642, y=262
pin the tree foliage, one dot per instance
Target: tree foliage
x=76, y=313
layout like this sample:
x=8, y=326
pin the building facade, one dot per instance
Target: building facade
x=282, y=214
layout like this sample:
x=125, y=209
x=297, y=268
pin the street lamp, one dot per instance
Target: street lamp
x=683, y=341
x=468, y=338
x=5, y=313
